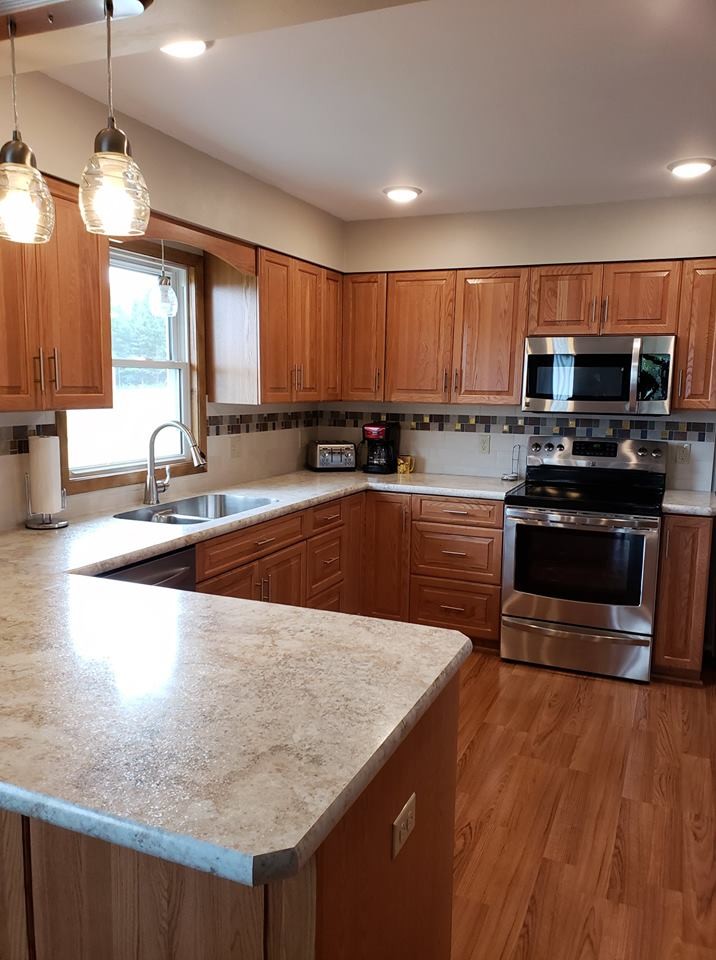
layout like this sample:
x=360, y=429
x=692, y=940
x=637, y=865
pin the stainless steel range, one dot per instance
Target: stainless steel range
x=581, y=555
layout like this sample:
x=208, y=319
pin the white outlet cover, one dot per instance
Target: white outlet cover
x=484, y=443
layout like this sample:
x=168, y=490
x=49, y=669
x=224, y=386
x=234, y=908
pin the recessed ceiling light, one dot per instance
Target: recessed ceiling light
x=185, y=49
x=693, y=167
x=402, y=194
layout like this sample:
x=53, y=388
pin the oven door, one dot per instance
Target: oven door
x=578, y=569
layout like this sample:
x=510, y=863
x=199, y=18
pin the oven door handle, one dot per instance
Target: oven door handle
x=604, y=526
x=634, y=377
x=591, y=634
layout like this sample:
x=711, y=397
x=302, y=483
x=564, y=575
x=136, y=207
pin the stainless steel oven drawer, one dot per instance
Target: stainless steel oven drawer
x=626, y=655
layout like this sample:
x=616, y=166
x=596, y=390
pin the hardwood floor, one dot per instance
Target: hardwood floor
x=585, y=818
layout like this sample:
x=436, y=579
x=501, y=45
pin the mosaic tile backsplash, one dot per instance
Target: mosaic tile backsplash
x=13, y=439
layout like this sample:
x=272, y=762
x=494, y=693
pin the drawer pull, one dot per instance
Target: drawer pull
x=446, y=606
x=454, y=553
x=332, y=516
x=458, y=513
x=328, y=562
x=261, y=543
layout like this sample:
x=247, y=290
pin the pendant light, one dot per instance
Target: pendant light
x=162, y=298
x=114, y=200
x=27, y=210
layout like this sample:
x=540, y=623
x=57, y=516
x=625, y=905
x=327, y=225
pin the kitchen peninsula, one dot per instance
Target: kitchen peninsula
x=211, y=776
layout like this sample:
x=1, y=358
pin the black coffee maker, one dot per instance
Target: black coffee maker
x=382, y=440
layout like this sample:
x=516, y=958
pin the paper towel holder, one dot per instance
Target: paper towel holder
x=43, y=521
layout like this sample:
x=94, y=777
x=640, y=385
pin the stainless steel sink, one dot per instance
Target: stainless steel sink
x=208, y=506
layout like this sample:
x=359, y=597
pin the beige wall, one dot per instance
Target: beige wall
x=60, y=124
x=639, y=230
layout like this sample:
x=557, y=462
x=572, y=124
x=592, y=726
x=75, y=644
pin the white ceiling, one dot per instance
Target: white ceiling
x=485, y=104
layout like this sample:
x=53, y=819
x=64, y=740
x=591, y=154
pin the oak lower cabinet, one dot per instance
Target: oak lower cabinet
x=354, y=509
x=682, y=595
x=456, y=565
x=695, y=375
x=419, y=328
x=88, y=899
x=387, y=556
x=283, y=576
x=55, y=339
x=331, y=599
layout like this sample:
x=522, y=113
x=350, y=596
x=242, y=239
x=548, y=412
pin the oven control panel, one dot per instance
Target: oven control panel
x=603, y=452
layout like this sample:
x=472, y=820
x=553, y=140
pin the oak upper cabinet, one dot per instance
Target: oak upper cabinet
x=420, y=317
x=695, y=376
x=387, y=556
x=20, y=352
x=277, y=366
x=73, y=306
x=641, y=298
x=306, y=287
x=490, y=325
x=565, y=300
x=331, y=342
x=364, y=308
x=682, y=595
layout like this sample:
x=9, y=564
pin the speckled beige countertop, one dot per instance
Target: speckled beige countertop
x=226, y=735
x=691, y=502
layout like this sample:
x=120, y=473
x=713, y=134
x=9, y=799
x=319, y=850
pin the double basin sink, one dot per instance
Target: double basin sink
x=201, y=509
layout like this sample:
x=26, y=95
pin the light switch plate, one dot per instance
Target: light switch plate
x=403, y=826
x=682, y=453
x=484, y=443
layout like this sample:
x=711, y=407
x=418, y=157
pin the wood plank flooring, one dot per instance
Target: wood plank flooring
x=585, y=818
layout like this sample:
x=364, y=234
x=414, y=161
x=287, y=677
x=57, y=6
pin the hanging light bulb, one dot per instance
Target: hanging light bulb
x=27, y=210
x=162, y=298
x=114, y=200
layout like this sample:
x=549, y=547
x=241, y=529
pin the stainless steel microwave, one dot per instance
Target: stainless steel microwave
x=600, y=374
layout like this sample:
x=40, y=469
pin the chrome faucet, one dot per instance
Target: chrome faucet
x=152, y=486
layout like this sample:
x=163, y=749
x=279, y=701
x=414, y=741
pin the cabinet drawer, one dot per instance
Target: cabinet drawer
x=472, y=608
x=325, y=561
x=481, y=513
x=221, y=554
x=324, y=517
x=243, y=582
x=467, y=553
x=331, y=599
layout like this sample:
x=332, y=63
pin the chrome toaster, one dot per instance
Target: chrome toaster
x=331, y=456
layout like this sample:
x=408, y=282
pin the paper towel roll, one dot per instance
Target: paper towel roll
x=45, y=476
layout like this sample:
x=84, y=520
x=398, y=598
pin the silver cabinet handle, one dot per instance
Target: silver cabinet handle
x=300, y=378
x=41, y=362
x=606, y=311
x=592, y=322
x=457, y=379
x=268, y=588
x=333, y=516
x=681, y=381
x=294, y=378
x=446, y=606
x=330, y=561
x=260, y=543
x=453, y=553
x=458, y=513
x=55, y=361
x=446, y=380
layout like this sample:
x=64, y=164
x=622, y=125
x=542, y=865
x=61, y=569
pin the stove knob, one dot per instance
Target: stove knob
x=560, y=447
x=642, y=452
x=657, y=454
x=549, y=447
x=536, y=447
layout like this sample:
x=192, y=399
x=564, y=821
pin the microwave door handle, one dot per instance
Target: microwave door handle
x=634, y=377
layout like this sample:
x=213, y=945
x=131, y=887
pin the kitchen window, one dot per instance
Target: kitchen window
x=156, y=374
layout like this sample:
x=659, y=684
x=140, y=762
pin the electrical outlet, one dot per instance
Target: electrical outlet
x=484, y=443
x=235, y=445
x=403, y=826
x=683, y=453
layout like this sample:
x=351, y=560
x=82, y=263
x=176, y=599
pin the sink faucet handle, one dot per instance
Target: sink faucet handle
x=163, y=485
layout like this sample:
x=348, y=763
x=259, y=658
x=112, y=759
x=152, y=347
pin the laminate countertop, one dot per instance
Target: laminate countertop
x=226, y=735
x=695, y=503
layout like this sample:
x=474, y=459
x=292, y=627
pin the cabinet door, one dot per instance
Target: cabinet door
x=20, y=355
x=277, y=368
x=331, y=346
x=364, y=305
x=641, y=298
x=306, y=296
x=243, y=582
x=13, y=920
x=472, y=608
x=418, y=353
x=283, y=576
x=490, y=324
x=387, y=555
x=72, y=302
x=564, y=300
x=682, y=595
x=695, y=383
x=354, y=525
x=331, y=599
x=324, y=561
